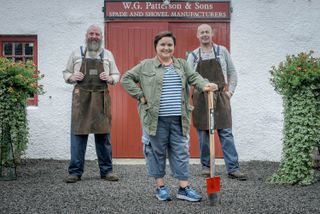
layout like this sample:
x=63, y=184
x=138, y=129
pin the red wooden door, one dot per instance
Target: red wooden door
x=131, y=42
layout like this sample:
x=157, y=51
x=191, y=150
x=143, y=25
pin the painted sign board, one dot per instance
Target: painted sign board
x=217, y=10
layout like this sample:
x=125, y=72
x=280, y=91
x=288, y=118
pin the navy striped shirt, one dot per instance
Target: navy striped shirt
x=170, y=101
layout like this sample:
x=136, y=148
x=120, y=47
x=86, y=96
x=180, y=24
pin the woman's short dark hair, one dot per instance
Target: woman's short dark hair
x=161, y=35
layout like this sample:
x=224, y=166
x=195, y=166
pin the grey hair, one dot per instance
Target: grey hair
x=205, y=25
x=96, y=26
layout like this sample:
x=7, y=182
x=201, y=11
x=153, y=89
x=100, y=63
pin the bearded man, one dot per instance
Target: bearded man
x=91, y=69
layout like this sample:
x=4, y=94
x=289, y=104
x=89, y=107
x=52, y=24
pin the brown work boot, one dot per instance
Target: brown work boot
x=205, y=171
x=72, y=179
x=110, y=177
x=237, y=175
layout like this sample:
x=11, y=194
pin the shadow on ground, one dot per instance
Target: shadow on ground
x=39, y=189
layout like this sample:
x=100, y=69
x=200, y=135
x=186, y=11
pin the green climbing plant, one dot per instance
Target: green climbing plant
x=297, y=80
x=17, y=81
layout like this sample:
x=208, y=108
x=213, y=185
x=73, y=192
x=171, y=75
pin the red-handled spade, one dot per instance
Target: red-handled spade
x=213, y=182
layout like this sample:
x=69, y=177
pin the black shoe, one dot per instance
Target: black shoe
x=110, y=177
x=237, y=175
x=72, y=179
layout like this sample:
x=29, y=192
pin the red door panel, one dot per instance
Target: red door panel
x=129, y=43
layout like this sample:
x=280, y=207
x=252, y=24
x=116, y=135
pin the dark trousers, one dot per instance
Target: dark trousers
x=78, y=151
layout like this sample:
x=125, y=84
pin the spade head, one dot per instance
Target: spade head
x=213, y=184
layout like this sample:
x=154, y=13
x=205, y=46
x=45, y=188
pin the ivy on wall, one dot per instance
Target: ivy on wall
x=297, y=79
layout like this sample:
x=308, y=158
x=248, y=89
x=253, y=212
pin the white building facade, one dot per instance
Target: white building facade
x=262, y=33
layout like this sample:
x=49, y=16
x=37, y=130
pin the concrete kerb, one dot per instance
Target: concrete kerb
x=141, y=161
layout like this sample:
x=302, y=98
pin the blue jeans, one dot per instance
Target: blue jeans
x=78, y=151
x=168, y=139
x=230, y=154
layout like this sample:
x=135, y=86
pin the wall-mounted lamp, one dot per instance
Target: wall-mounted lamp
x=166, y=2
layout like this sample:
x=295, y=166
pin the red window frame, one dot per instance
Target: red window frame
x=23, y=39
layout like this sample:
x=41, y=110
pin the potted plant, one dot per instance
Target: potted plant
x=297, y=80
x=17, y=81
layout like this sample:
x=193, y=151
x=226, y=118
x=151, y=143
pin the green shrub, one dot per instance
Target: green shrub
x=17, y=82
x=297, y=79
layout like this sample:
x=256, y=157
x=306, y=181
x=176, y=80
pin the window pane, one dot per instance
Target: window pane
x=28, y=49
x=18, y=59
x=18, y=48
x=29, y=59
x=7, y=49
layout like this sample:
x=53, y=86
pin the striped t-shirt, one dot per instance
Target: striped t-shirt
x=170, y=101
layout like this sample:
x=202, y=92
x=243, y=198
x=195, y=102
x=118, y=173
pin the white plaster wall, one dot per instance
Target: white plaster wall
x=60, y=26
x=263, y=32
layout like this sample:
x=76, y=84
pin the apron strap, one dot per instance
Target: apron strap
x=83, y=53
x=216, y=53
x=83, y=56
x=104, y=102
x=101, y=55
x=199, y=52
x=195, y=58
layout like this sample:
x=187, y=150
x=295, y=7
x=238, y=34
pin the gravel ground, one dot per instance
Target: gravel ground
x=39, y=189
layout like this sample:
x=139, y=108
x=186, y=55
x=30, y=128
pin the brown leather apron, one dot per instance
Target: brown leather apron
x=91, y=112
x=211, y=70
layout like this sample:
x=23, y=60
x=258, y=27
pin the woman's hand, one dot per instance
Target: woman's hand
x=210, y=87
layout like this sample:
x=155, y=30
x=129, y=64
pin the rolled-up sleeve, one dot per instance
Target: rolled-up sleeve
x=231, y=73
x=129, y=82
x=113, y=69
x=69, y=69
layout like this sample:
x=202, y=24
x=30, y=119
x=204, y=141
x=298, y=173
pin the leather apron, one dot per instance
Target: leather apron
x=211, y=70
x=91, y=112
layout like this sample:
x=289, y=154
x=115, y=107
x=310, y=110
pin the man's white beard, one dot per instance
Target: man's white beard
x=93, y=46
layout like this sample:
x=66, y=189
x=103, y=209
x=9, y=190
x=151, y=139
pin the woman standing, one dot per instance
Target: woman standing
x=161, y=87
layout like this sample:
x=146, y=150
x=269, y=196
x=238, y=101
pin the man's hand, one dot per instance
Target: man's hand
x=105, y=77
x=143, y=100
x=210, y=87
x=229, y=94
x=77, y=76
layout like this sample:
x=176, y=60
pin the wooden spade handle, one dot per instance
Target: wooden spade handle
x=211, y=133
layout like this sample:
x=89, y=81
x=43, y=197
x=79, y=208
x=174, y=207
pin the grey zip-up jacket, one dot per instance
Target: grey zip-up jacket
x=149, y=75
